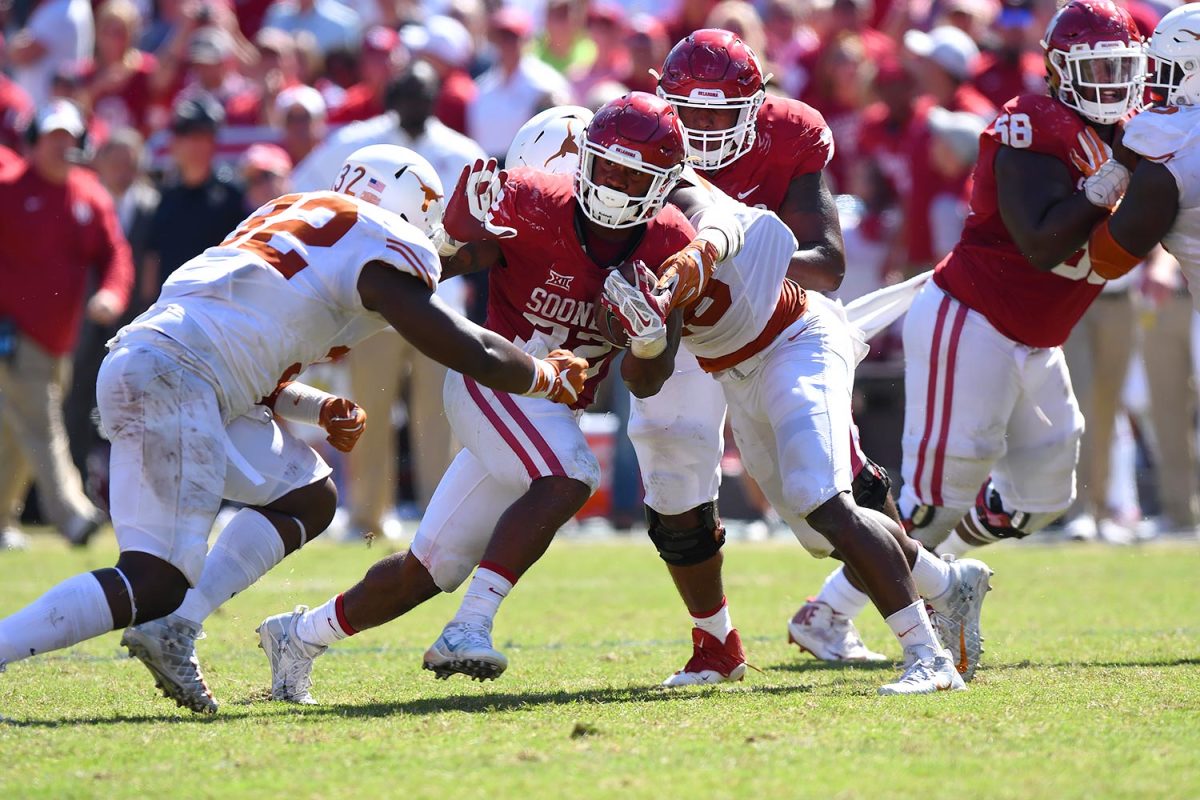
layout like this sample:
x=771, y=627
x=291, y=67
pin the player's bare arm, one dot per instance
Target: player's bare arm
x=808, y=209
x=1146, y=215
x=472, y=257
x=1048, y=219
x=408, y=305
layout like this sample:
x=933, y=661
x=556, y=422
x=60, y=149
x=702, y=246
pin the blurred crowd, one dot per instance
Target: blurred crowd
x=188, y=114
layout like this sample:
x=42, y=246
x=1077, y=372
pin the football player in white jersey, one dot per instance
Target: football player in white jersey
x=183, y=390
x=1162, y=203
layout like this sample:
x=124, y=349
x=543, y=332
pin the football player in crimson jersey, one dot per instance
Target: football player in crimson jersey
x=986, y=385
x=784, y=359
x=767, y=152
x=187, y=393
x=525, y=468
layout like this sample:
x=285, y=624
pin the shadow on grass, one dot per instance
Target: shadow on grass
x=483, y=703
x=813, y=665
x=258, y=710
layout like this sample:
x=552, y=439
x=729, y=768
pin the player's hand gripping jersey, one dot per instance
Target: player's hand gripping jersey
x=1171, y=136
x=791, y=139
x=281, y=292
x=986, y=271
x=548, y=287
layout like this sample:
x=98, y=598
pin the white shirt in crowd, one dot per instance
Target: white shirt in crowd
x=333, y=24
x=446, y=150
x=504, y=105
x=66, y=29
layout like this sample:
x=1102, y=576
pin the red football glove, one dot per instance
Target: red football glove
x=344, y=421
x=468, y=216
x=559, y=377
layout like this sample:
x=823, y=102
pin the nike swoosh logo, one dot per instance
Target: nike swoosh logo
x=493, y=591
x=745, y=194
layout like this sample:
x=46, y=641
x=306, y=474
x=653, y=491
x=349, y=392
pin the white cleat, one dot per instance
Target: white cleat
x=465, y=648
x=290, y=656
x=957, y=611
x=925, y=675
x=830, y=636
x=167, y=647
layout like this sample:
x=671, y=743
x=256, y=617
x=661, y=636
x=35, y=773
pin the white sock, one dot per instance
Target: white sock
x=955, y=546
x=840, y=595
x=325, y=624
x=912, y=627
x=245, y=551
x=931, y=574
x=482, y=600
x=73, y=611
x=716, y=622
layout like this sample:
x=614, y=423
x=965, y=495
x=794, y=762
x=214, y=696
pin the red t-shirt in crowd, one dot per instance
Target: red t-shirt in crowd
x=129, y=105
x=884, y=141
x=926, y=183
x=361, y=102
x=458, y=91
x=16, y=110
x=1001, y=79
x=986, y=271
x=53, y=236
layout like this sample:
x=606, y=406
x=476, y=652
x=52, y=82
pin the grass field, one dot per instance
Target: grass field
x=1091, y=688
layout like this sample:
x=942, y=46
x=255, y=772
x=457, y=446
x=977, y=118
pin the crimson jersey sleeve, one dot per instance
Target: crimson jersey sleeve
x=1037, y=123
x=805, y=135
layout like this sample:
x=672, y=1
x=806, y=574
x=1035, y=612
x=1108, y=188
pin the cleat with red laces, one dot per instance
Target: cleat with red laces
x=711, y=661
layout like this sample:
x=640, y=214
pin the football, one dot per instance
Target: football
x=606, y=322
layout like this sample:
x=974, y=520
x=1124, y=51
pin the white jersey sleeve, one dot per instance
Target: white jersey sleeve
x=745, y=287
x=1170, y=136
x=281, y=292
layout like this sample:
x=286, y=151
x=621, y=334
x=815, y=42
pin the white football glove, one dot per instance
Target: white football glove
x=1105, y=179
x=640, y=312
x=1107, y=185
x=483, y=189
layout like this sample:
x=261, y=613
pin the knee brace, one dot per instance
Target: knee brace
x=689, y=546
x=989, y=521
x=871, y=486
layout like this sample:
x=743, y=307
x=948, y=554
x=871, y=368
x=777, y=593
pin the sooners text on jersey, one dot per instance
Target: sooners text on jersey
x=791, y=140
x=986, y=271
x=547, y=291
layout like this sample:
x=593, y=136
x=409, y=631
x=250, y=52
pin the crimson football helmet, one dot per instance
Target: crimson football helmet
x=714, y=69
x=640, y=132
x=1096, y=60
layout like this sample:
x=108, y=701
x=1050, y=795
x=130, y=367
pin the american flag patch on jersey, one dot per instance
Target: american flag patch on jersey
x=375, y=185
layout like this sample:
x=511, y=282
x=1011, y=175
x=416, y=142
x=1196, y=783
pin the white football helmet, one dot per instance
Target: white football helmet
x=1175, y=54
x=550, y=141
x=398, y=180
